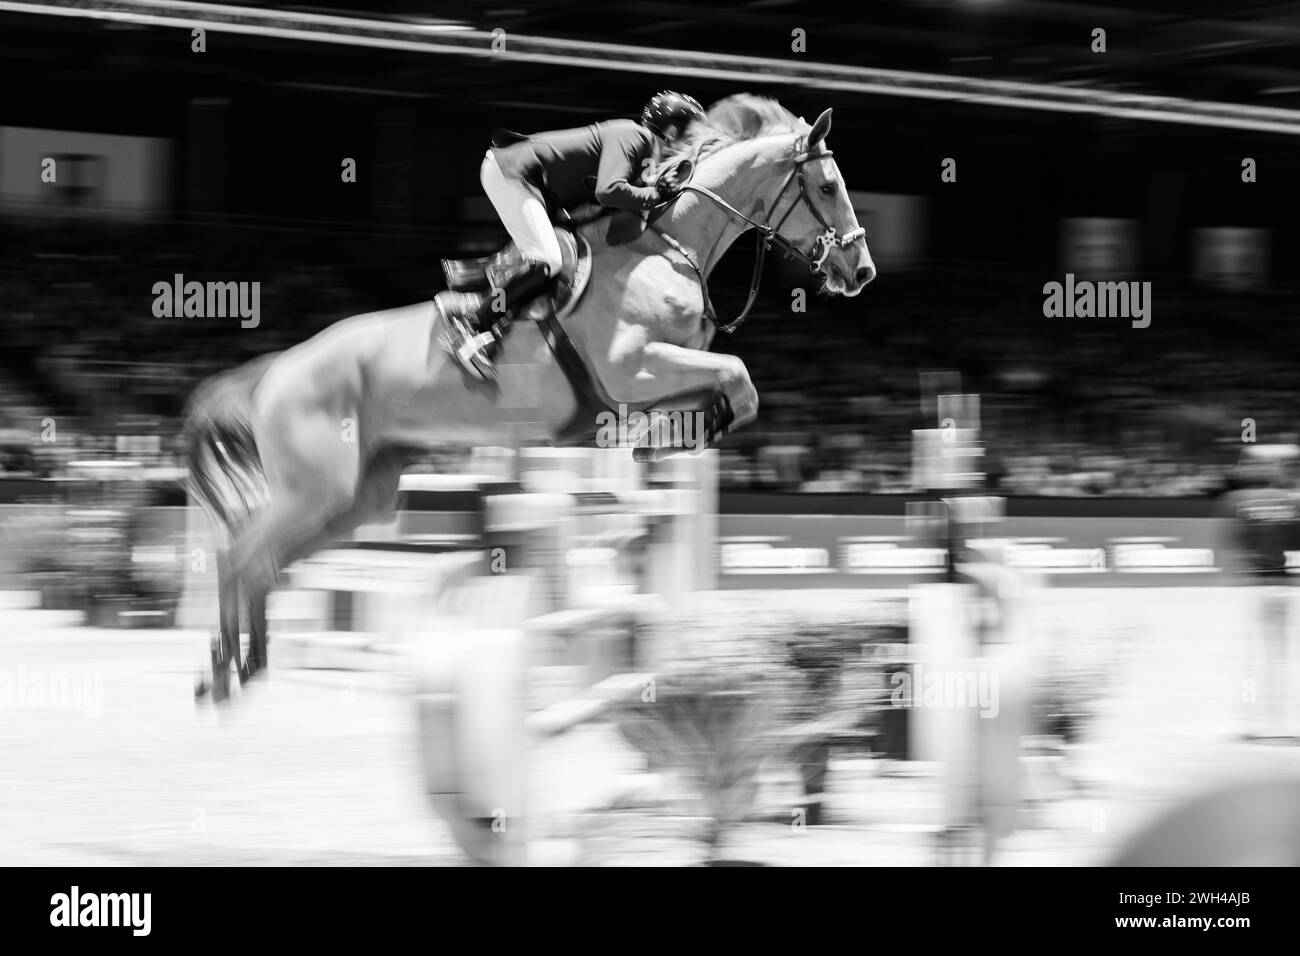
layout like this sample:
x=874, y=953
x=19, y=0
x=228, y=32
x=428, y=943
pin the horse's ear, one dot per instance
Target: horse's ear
x=820, y=129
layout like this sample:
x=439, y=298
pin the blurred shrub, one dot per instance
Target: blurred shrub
x=716, y=727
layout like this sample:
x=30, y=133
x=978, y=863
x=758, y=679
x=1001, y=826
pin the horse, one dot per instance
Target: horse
x=297, y=449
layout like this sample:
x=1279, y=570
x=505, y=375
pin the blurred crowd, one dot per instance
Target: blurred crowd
x=1067, y=407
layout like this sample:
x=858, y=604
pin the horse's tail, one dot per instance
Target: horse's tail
x=225, y=469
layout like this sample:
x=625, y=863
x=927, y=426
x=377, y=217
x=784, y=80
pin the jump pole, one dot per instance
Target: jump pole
x=476, y=722
x=967, y=636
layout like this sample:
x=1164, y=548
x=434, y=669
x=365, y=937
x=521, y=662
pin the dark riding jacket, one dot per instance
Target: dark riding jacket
x=596, y=163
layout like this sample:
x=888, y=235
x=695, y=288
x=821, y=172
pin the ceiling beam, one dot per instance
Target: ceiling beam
x=787, y=72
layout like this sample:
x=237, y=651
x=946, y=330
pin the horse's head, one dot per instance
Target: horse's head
x=812, y=216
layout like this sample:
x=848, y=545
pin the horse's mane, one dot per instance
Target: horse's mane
x=732, y=120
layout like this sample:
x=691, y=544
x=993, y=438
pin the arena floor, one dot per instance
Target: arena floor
x=321, y=767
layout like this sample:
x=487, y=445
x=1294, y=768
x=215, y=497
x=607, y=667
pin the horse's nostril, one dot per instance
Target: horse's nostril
x=865, y=274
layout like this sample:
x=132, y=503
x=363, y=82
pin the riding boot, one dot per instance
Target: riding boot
x=478, y=322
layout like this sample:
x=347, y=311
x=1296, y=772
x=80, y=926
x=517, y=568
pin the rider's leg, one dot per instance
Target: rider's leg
x=524, y=215
x=466, y=314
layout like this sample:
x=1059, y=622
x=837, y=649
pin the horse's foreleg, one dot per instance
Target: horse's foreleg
x=659, y=370
x=718, y=388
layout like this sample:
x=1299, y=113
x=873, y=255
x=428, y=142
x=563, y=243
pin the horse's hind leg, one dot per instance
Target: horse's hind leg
x=375, y=499
x=226, y=647
x=283, y=530
x=278, y=544
x=257, y=636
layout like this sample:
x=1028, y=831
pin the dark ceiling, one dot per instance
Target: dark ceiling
x=1246, y=52
x=1190, y=49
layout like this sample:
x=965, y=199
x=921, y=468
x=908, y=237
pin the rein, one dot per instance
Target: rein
x=765, y=233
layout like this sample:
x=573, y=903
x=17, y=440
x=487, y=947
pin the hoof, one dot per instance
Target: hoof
x=219, y=690
x=254, y=672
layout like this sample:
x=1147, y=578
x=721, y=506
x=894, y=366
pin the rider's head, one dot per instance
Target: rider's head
x=668, y=115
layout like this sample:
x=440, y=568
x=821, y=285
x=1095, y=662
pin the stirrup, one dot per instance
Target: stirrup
x=471, y=351
x=475, y=356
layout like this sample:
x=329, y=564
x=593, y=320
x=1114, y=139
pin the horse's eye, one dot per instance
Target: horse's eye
x=828, y=188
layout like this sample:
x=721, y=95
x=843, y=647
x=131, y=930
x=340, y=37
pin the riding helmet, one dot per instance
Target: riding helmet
x=668, y=108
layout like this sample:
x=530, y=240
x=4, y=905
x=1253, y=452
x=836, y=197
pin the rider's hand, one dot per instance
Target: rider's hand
x=668, y=188
x=674, y=180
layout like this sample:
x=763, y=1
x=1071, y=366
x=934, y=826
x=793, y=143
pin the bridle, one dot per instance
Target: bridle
x=766, y=234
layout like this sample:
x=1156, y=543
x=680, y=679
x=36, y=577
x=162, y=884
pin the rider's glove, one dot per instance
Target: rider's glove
x=667, y=188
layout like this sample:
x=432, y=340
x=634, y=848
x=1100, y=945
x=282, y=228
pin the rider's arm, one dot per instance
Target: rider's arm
x=621, y=156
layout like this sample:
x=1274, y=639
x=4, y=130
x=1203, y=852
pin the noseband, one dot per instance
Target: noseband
x=766, y=234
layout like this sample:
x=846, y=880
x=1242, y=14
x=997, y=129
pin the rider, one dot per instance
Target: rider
x=538, y=175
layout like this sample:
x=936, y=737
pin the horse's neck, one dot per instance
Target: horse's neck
x=702, y=226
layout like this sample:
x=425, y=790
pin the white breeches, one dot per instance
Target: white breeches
x=523, y=213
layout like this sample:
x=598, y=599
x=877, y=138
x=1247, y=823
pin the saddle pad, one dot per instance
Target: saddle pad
x=573, y=281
